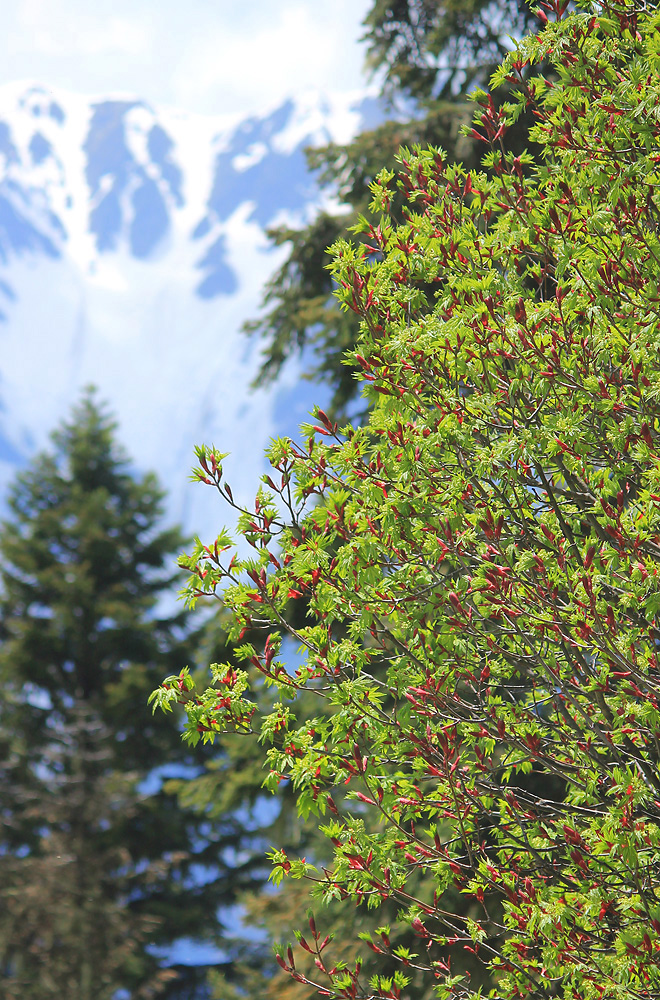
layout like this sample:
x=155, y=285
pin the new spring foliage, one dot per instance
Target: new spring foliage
x=479, y=560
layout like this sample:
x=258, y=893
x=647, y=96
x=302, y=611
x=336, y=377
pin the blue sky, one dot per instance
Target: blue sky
x=207, y=56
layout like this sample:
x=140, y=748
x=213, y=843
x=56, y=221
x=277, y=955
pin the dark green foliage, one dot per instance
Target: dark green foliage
x=437, y=48
x=430, y=55
x=97, y=860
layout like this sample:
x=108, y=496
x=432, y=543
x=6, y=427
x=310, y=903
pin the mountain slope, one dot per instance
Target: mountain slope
x=132, y=247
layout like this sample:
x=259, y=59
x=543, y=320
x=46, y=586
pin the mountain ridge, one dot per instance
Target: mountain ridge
x=132, y=248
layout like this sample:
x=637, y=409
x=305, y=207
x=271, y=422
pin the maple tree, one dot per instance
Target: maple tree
x=480, y=557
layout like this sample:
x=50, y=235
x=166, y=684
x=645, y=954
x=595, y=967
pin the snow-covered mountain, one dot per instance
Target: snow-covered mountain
x=132, y=248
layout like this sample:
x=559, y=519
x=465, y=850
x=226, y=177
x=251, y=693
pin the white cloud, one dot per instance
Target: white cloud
x=203, y=55
x=61, y=29
x=265, y=61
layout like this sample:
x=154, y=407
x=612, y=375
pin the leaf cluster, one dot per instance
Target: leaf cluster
x=480, y=557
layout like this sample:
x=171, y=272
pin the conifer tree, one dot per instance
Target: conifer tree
x=100, y=869
x=430, y=55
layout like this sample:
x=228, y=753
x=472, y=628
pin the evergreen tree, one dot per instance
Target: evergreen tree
x=431, y=54
x=100, y=869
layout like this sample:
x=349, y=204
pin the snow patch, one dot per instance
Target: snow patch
x=153, y=314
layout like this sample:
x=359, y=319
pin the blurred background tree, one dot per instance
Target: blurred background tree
x=101, y=869
x=429, y=55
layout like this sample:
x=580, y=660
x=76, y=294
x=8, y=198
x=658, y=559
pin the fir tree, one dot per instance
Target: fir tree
x=430, y=54
x=99, y=866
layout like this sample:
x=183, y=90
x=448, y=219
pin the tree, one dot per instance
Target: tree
x=100, y=869
x=480, y=556
x=431, y=54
